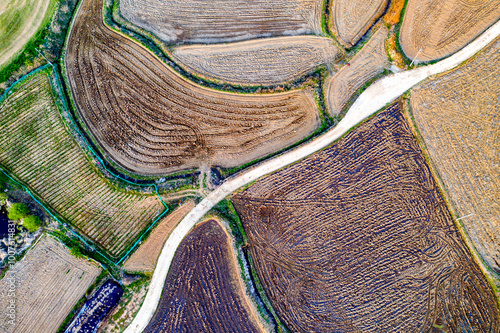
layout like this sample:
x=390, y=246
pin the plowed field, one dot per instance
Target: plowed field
x=352, y=18
x=440, y=28
x=144, y=258
x=45, y=286
x=215, y=21
x=357, y=238
x=202, y=291
x=370, y=61
x=152, y=121
x=258, y=62
x=458, y=115
x=36, y=147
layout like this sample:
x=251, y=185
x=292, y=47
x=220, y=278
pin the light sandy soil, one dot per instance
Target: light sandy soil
x=433, y=29
x=216, y=21
x=144, y=258
x=370, y=101
x=19, y=21
x=352, y=18
x=49, y=281
x=265, y=62
x=369, y=62
x=458, y=116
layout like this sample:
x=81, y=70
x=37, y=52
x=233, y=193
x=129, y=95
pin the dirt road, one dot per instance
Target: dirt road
x=379, y=94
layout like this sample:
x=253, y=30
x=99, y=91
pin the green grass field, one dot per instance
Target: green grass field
x=19, y=22
x=36, y=147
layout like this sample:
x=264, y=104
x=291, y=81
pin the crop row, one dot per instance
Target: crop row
x=37, y=148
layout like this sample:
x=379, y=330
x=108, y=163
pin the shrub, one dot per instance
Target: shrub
x=3, y=197
x=76, y=252
x=18, y=211
x=32, y=223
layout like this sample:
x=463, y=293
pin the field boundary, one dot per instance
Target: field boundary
x=94, y=154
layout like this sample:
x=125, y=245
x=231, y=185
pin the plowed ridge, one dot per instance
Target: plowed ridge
x=215, y=21
x=152, y=121
x=258, y=62
x=36, y=147
x=352, y=18
x=202, y=292
x=434, y=29
x=359, y=232
x=367, y=64
x=458, y=115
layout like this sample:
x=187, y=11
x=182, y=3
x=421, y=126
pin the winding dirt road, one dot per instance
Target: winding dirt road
x=379, y=94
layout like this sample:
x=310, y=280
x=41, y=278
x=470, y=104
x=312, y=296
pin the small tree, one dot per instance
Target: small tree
x=18, y=211
x=32, y=223
x=3, y=197
x=75, y=251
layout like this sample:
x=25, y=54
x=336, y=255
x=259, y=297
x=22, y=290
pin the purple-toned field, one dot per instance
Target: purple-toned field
x=202, y=292
x=357, y=238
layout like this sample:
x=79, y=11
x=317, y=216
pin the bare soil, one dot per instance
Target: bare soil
x=216, y=21
x=49, y=282
x=144, y=258
x=150, y=120
x=458, y=116
x=268, y=61
x=435, y=29
x=370, y=61
x=202, y=292
x=352, y=18
x=357, y=238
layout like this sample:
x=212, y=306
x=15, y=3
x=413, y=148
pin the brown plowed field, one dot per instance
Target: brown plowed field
x=370, y=61
x=442, y=27
x=215, y=21
x=352, y=18
x=357, y=238
x=152, y=121
x=203, y=292
x=458, y=115
x=48, y=281
x=145, y=257
x=258, y=62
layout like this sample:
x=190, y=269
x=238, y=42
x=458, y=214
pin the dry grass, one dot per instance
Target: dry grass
x=266, y=62
x=37, y=148
x=393, y=14
x=203, y=292
x=151, y=120
x=49, y=282
x=441, y=27
x=458, y=115
x=352, y=18
x=357, y=238
x=370, y=61
x=215, y=21
x=144, y=258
